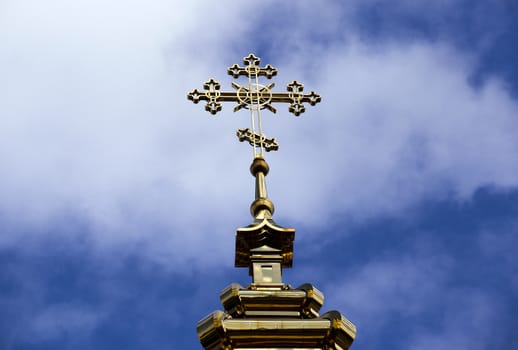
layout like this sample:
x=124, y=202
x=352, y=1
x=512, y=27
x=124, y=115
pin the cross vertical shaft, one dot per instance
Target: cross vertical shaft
x=255, y=109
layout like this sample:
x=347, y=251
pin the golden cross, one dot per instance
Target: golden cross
x=254, y=97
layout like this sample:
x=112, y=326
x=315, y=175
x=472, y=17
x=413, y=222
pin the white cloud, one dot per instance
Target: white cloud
x=419, y=288
x=396, y=126
x=95, y=123
x=465, y=324
x=60, y=320
x=406, y=285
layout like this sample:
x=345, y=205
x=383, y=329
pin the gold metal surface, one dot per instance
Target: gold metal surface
x=274, y=319
x=220, y=332
x=262, y=207
x=266, y=314
x=260, y=233
x=302, y=302
x=254, y=139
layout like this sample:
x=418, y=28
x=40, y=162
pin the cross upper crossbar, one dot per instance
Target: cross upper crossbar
x=254, y=96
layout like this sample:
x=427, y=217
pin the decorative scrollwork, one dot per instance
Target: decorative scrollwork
x=256, y=140
x=254, y=96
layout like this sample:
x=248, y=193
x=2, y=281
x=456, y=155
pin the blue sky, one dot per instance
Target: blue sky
x=119, y=199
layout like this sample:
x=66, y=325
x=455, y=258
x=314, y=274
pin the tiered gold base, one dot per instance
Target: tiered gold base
x=260, y=317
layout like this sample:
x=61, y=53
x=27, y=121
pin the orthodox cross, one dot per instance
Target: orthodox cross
x=254, y=97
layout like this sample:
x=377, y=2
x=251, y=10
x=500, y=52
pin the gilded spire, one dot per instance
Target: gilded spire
x=267, y=313
x=256, y=97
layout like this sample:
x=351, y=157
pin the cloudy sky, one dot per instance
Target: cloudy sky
x=119, y=198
